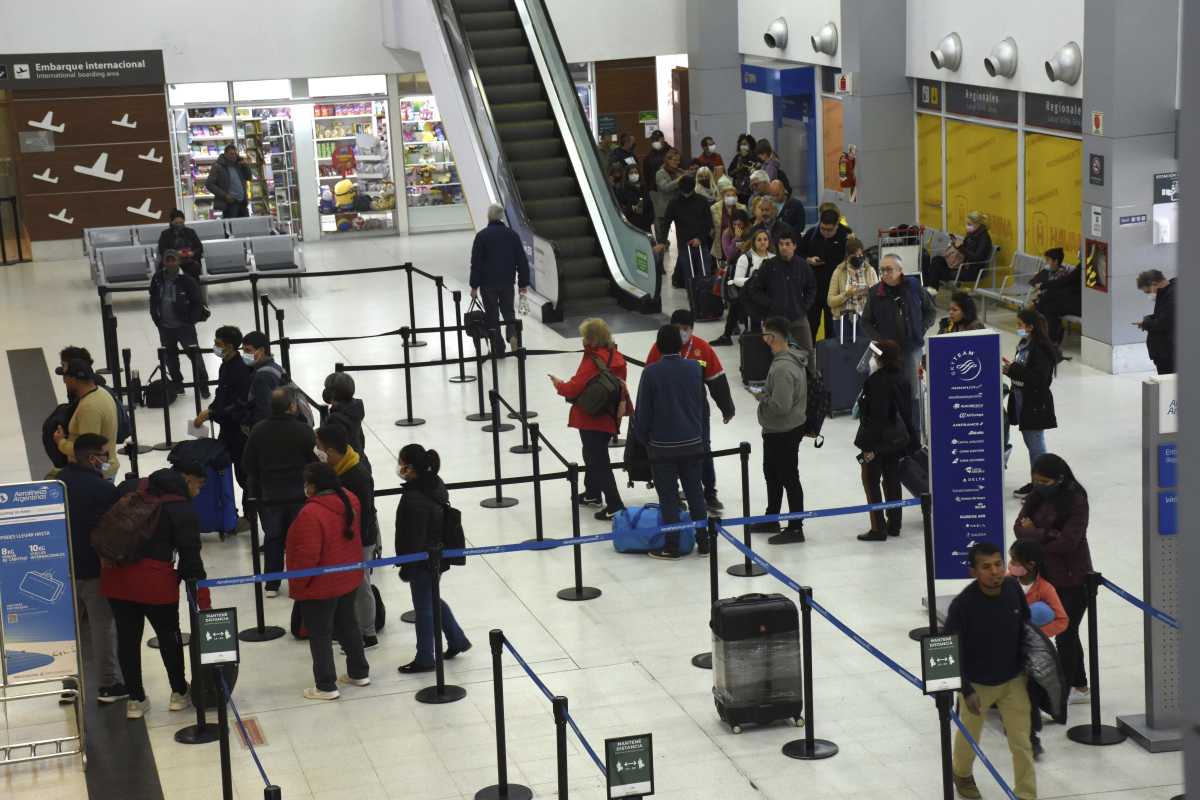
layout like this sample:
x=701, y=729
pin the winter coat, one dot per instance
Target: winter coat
x=784, y=288
x=672, y=413
x=692, y=219
x=715, y=380
x=229, y=403
x=1043, y=591
x=783, y=402
x=1160, y=326
x=1048, y=687
x=580, y=419
x=419, y=521
x=265, y=377
x=358, y=481
x=189, y=303
x=183, y=239
x=722, y=218
x=89, y=496
x=946, y=326
x=498, y=258
x=275, y=456
x=1060, y=524
x=1033, y=379
x=883, y=320
x=218, y=181
x=317, y=538
x=350, y=415
x=666, y=188
x=886, y=400
x=839, y=284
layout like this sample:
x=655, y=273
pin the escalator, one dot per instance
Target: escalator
x=546, y=169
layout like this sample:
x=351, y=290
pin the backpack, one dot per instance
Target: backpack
x=752, y=294
x=602, y=393
x=60, y=416
x=125, y=528
x=453, y=537
x=818, y=407
x=123, y=429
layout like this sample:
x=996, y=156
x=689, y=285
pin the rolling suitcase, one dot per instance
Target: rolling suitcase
x=755, y=357
x=705, y=302
x=214, y=504
x=837, y=360
x=756, y=660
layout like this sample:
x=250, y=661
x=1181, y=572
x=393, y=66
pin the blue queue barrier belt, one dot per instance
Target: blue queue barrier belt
x=210, y=583
x=1161, y=616
x=1008, y=792
x=822, y=512
x=242, y=727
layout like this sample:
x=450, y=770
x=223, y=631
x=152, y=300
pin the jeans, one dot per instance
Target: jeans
x=1035, y=442
x=131, y=619
x=667, y=477
x=692, y=262
x=326, y=619
x=364, y=596
x=420, y=583
x=781, y=453
x=885, y=469
x=99, y=615
x=236, y=208
x=1070, y=649
x=735, y=319
x=598, y=479
x=174, y=338
x=912, y=362
x=275, y=521
x=1012, y=698
x=497, y=302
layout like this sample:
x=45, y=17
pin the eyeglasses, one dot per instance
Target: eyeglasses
x=889, y=271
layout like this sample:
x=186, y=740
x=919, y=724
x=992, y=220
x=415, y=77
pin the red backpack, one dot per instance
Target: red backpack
x=125, y=528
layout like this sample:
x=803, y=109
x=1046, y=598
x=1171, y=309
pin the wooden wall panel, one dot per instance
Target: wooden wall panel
x=623, y=88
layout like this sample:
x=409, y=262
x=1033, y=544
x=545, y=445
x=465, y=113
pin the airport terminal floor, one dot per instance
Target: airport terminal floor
x=623, y=659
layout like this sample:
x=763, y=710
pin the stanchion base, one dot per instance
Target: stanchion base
x=702, y=660
x=185, y=639
x=741, y=571
x=409, y=616
x=142, y=449
x=417, y=343
x=409, y=422
x=478, y=417
x=193, y=734
x=578, y=595
x=524, y=449
x=1097, y=737
x=515, y=792
x=163, y=447
x=502, y=427
x=917, y=634
x=799, y=749
x=616, y=444
x=449, y=694
x=517, y=414
x=462, y=379
x=498, y=502
x=268, y=633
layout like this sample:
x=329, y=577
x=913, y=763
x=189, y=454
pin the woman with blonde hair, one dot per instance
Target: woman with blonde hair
x=965, y=257
x=600, y=358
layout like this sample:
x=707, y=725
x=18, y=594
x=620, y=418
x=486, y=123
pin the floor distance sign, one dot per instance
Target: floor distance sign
x=941, y=670
x=218, y=636
x=630, y=766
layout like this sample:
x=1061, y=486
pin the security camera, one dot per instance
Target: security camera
x=1066, y=65
x=948, y=54
x=776, y=35
x=1002, y=61
x=826, y=40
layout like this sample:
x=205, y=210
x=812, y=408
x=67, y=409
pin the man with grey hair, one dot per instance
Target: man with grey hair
x=900, y=310
x=497, y=257
x=1159, y=326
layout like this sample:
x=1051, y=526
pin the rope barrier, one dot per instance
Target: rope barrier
x=242, y=727
x=324, y=339
x=209, y=583
x=1161, y=616
x=824, y=512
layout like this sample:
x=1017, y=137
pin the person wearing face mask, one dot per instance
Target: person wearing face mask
x=850, y=282
x=1032, y=370
x=346, y=410
x=183, y=240
x=742, y=165
x=419, y=519
x=964, y=257
x=623, y=153
x=326, y=533
x=709, y=157
x=274, y=458
x=689, y=213
x=724, y=205
x=176, y=306
x=148, y=589
x=823, y=246
x=1057, y=292
x=634, y=199
x=266, y=376
x=1055, y=514
x=1159, y=326
x=706, y=187
x=885, y=432
x=228, y=403
x=745, y=265
x=666, y=190
x=95, y=412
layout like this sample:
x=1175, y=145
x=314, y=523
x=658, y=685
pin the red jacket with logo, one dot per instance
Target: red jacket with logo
x=317, y=538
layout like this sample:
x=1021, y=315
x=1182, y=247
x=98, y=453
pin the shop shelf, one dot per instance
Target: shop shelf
x=344, y=116
x=336, y=138
x=207, y=120
x=208, y=138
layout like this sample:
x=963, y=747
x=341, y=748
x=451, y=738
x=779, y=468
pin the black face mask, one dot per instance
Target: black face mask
x=1047, y=491
x=856, y=261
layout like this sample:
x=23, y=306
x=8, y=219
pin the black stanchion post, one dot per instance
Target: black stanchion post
x=809, y=748
x=201, y=732
x=943, y=701
x=114, y=366
x=196, y=356
x=412, y=304
x=704, y=660
x=254, y=301
x=502, y=790
x=747, y=569
x=133, y=387
x=169, y=390
x=285, y=355
x=499, y=501
x=265, y=300
x=522, y=411
x=916, y=634
x=495, y=416
x=462, y=376
x=272, y=793
x=261, y=632
x=578, y=592
x=480, y=415
x=441, y=288
x=441, y=692
x=1094, y=734
x=560, y=742
x=535, y=434
x=408, y=421
x=217, y=671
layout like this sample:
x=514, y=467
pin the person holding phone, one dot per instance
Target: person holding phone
x=885, y=431
x=1032, y=370
x=823, y=247
x=848, y=286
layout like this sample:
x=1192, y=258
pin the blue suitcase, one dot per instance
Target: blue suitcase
x=635, y=530
x=214, y=504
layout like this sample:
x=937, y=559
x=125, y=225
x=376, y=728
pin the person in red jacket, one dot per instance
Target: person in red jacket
x=1055, y=514
x=599, y=483
x=325, y=533
x=1045, y=611
x=697, y=349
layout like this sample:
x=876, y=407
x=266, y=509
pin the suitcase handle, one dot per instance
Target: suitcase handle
x=752, y=596
x=853, y=329
x=638, y=516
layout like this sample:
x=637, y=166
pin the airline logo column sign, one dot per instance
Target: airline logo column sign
x=38, y=625
x=218, y=636
x=966, y=449
x=630, y=766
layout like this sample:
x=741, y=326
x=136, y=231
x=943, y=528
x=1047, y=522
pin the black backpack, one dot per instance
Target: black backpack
x=123, y=429
x=819, y=406
x=60, y=416
x=453, y=537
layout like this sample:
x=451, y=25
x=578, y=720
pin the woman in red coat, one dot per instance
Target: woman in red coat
x=326, y=533
x=599, y=483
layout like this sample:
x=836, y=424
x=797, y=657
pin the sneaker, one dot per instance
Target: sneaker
x=665, y=555
x=966, y=787
x=873, y=536
x=313, y=693
x=789, y=535
x=722, y=341
x=606, y=514
x=1024, y=491
x=893, y=532
x=270, y=593
x=66, y=698
x=1079, y=698
x=370, y=641
x=765, y=527
x=590, y=502
x=451, y=652
x=111, y=694
x=413, y=668
x=712, y=503
x=179, y=701
x=1038, y=750
x=702, y=545
x=346, y=680
x=136, y=709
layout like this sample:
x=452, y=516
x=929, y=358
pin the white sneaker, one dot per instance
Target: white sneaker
x=346, y=680
x=1079, y=698
x=136, y=709
x=312, y=693
x=180, y=701
x=269, y=593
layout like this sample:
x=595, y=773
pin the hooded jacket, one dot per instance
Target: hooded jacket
x=350, y=415
x=317, y=538
x=89, y=496
x=886, y=397
x=783, y=403
x=419, y=520
x=189, y=303
x=355, y=475
x=275, y=456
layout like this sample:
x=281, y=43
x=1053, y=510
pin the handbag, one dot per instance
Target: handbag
x=475, y=320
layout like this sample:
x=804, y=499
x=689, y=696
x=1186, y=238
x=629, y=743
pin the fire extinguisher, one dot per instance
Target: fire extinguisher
x=846, y=177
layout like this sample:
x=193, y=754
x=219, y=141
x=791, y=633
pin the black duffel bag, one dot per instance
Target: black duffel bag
x=475, y=320
x=637, y=461
x=914, y=472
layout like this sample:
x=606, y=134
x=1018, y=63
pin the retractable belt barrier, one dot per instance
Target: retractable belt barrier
x=1148, y=609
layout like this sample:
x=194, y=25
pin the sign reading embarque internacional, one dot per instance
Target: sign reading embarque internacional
x=981, y=101
x=1056, y=113
x=23, y=71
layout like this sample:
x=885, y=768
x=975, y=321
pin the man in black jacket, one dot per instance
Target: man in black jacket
x=265, y=377
x=497, y=259
x=346, y=410
x=227, y=181
x=89, y=496
x=1057, y=292
x=824, y=248
x=276, y=453
x=176, y=306
x=692, y=216
x=899, y=309
x=1159, y=326
x=333, y=448
x=785, y=286
x=182, y=239
x=227, y=408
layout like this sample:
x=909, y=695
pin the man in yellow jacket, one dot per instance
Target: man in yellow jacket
x=95, y=412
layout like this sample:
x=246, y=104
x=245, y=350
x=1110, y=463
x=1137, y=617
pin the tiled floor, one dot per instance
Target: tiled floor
x=622, y=659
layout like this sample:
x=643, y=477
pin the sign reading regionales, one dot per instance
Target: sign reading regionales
x=630, y=766
x=1056, y=113
x=77, y=70
x=981, y=101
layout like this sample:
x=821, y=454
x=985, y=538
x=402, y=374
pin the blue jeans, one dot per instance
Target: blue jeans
x=1035, y=442
x=420, y=582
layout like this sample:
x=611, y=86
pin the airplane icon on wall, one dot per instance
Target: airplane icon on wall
x=100, y=170
x=124, y=122
x=61, y=216
x=45, y=176
x=144, y=210
x=47, y=124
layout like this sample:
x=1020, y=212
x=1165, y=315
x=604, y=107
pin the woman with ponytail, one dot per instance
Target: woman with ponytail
x=419, y=520
x=1032, y=370
x=327, y=532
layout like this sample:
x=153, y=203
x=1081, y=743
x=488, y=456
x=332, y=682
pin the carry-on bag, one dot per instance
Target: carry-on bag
x=838, y=361
x=635, y=530
x=756, y=660
x=914, y=472
x=704, y=290
x=637, y=461
x=755, y=356
x=214, y=503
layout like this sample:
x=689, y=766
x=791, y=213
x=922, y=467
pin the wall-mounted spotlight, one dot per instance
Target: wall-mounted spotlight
x=948, y=53
x=1066, y=65
x=826, y=40
x=776, y=35
x=1002, y=62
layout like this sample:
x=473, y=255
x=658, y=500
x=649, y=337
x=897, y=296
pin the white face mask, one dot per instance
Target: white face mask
x=710, y=148
x=730, y=201
x=321, y=455
x=248, y=359
x=634, y=177
x=656, y=145
x=685, y=336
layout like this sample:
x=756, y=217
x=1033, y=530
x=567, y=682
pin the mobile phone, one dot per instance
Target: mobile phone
x=859, y=458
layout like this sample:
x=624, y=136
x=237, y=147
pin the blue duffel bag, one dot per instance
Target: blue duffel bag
x=636, y=530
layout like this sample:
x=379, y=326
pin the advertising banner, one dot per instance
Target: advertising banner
x=1053, y=193
x=36, y=594
x=966, y=447
x=981, y=175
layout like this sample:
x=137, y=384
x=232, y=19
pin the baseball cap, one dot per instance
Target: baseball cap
x=170, y=254
x=79, y=369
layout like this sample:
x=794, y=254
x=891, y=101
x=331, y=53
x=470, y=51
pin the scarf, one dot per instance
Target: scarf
x=348, y=462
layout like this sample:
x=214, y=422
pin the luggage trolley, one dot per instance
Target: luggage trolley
x=906, y=242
